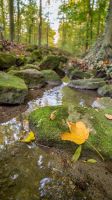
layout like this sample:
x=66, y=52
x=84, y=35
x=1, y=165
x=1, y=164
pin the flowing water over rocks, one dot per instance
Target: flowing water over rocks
x=35, y=172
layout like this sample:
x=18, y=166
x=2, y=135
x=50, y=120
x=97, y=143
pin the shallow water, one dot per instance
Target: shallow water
x=29, y=172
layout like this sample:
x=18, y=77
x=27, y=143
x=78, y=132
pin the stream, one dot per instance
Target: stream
x=34, y=172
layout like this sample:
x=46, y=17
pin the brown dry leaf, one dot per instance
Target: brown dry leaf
x=108, y=116
x=53, y=115
x=78, y=134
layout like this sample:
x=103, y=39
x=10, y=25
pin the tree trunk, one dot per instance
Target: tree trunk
x=11, y=16
x=107, y=43
x=3, y=18
x=40, y=25
x=18, y=20
x=102, y=50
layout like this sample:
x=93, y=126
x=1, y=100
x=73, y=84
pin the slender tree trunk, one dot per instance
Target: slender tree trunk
x=3, y=18
x=91, y=21
x=40, y=25
x=47, y=35
x=11, y=16
x=18, y=20
x=108, y=33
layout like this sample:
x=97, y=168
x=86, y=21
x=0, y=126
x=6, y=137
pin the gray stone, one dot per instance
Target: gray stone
x=89, y=84
x=32, y=77
x=51, y=77
x=102, y=103
x=12, y=89
x=106, y=90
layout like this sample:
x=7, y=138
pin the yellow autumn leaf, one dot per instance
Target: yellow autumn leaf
x=78, y=134
x=29, y=138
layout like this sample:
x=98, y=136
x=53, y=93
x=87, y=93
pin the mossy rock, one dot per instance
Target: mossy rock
x=36, y=55
x=51, y=77
x=20, y=60
x=77, y=74
x=32, y=77
x=106, y=90
x=31, y=48
x=29, y=66
x=48, y=131
x=89, y=84
x=50, y=62
x=12, y=89
x=102, y=103
x=6, y=60
x=101, y=128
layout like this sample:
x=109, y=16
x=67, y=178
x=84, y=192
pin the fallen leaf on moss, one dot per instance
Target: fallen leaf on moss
x=78, y=134
x=29, y=138
x=77, y=154
x=108, y=116
x=53, y=115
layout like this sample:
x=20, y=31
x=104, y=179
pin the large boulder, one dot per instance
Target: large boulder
x=32, y=77
x=89, y=84
x=6, y=60
x=30, y=66
x=51, y=77
x=104, y=102
x=52, y=62
x=12, y=89
x=77, y=74
x=106, y=90
x=48, y=131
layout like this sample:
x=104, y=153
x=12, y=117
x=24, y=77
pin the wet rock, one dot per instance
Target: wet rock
x=32, y=77
x=77, y=74
x=48, y=131
x=12, y=89
x=6, y=60
x=89, y=84
x=51, y=77
x=106, y=90
x=104, y=102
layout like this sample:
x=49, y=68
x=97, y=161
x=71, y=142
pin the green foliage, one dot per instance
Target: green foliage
x=81, y=24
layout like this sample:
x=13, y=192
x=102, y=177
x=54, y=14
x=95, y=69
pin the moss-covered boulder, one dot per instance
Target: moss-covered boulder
x=12, y=89
x=48, y=131
x=77, y=74
x=36, y=55
x=106, y=90
x=6, y=60
x=20, y=60
x=32, y=77
x=51, y=62
x=104, y=102
x=89, y=84
x=30, y=66
x=51, y=77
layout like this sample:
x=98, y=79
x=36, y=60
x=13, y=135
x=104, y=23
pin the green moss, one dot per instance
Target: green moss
x=50, y=75
x=7, y=60
x=77, y=74
x=50, y=62
x=47, y=130
x=10, y=81
x=101, y=135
